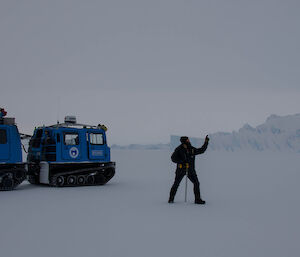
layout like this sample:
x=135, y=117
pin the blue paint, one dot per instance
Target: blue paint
x=10, y=144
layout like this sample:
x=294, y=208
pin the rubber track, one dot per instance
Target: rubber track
x=16, y=181
x=79, y=172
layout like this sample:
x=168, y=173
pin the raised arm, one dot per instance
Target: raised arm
x=203, y=148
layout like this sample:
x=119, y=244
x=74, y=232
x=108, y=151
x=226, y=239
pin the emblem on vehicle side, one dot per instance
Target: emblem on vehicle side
x=74, y=152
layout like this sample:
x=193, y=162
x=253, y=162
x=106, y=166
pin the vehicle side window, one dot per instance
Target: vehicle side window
x=3, y=137
x=96, y=139
x=71, y=139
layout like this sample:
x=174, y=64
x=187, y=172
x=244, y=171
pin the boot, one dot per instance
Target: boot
x=171, y=200
x=199, y=201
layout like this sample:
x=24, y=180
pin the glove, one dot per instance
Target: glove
x=207, y=139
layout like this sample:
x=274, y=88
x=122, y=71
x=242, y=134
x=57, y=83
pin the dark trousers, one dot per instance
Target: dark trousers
x=180, y=173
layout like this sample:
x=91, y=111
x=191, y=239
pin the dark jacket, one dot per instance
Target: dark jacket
x=183, y=155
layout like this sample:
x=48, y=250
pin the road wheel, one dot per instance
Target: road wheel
x=7, y=184
x=80, y=180
x=90, y=180
x=60, y=180
x=71, y=180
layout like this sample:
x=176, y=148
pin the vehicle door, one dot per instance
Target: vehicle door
x=4, y=144
x=96, y=146
x=71, y=146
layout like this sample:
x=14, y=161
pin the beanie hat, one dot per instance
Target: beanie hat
x=183, y=139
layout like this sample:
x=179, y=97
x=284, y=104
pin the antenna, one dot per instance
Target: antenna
x=58, y=109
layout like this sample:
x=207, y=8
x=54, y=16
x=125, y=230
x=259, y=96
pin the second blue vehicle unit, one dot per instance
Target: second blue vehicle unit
x=69, y=154
x=12, y=168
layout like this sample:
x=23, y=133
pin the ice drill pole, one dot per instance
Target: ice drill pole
x=186, y=177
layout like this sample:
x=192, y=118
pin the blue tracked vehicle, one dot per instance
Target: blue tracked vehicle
x=12, y=169
x=69, y=154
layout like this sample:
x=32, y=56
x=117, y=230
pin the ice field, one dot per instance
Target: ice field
x=252, y=210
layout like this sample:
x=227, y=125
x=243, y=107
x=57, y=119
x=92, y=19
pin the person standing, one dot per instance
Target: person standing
x=184, y=157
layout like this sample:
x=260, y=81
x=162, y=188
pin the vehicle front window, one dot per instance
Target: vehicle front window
x=96, y=139
x=3, y=137
x=71, y=139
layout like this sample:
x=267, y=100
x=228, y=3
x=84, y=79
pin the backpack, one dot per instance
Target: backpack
x=175, y=157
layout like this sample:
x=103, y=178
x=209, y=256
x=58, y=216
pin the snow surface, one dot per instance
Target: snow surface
x=252, y=210
x=277, y=134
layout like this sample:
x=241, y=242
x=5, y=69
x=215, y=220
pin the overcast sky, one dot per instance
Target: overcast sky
x=148, y=69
